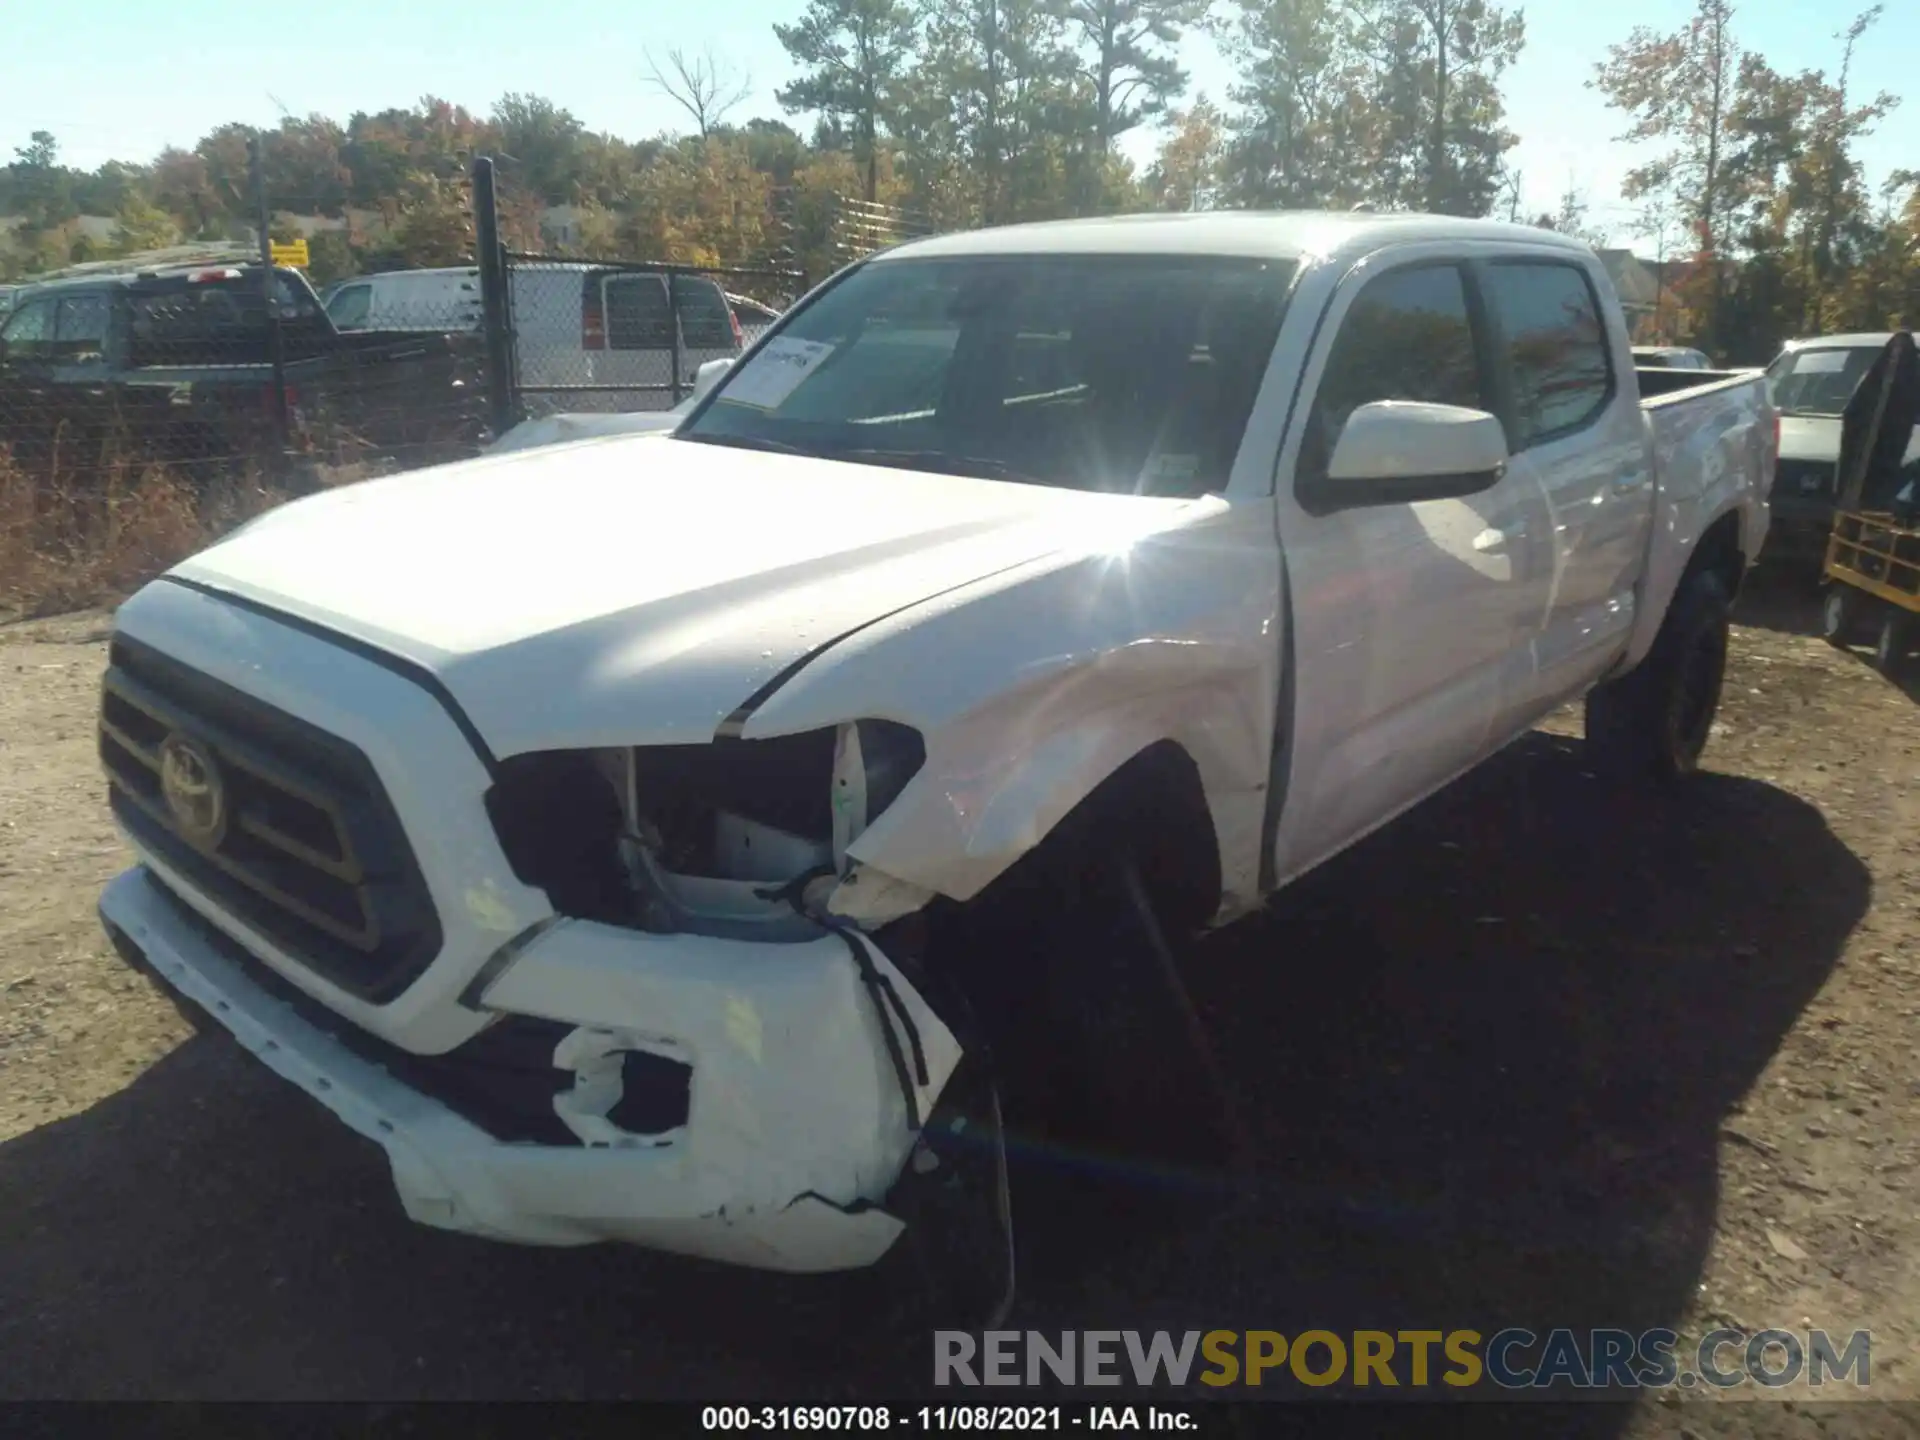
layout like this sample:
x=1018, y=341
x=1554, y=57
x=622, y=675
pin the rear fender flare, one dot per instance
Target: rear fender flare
x=1726, y=460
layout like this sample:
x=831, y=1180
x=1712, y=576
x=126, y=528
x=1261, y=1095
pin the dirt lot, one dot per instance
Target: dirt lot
x=1543, y=1053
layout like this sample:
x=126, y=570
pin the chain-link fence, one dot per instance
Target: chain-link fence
x=212, y=363
x=223, y=366
x=622, y=335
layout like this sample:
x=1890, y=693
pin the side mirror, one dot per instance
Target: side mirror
x=708, y=376
x=1402, y=450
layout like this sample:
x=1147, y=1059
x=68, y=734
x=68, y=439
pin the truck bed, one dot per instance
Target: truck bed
x=1659, y=384
x=1715, y=423
x=1715, y=436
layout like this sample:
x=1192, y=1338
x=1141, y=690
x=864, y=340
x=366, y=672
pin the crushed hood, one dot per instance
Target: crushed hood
x=637, y=590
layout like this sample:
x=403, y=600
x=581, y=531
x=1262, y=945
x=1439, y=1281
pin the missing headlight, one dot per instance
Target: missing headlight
x=685, y=837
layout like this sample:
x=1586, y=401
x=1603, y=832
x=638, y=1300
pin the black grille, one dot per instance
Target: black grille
x=311, y=855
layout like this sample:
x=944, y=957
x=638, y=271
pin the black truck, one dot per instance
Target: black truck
x=175, y=366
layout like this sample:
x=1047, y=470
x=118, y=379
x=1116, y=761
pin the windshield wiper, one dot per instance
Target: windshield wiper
x=940, y=462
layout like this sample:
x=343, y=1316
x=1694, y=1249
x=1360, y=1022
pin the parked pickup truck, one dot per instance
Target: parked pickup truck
x=1810, y=382
x=652, y=838
x=175, y=365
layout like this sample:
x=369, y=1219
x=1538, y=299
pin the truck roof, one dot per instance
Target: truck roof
x=1855, y=340
x=128, y=279
x=1254, y=234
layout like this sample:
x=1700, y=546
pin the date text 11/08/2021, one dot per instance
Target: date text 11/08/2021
x=936, y=1419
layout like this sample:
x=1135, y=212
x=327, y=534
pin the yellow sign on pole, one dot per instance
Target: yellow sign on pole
x=294, y=254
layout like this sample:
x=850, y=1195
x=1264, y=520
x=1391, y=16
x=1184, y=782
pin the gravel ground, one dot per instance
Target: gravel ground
x=1541, y=1053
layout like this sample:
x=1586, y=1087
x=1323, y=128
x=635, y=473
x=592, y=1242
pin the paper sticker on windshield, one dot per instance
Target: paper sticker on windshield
x=1821, y=362
x=776, y=372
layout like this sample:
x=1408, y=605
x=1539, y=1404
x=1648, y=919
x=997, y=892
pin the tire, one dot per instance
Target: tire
x=1074, y=976
x=1839, y=615
x=1653, y=722
x=1890, y=642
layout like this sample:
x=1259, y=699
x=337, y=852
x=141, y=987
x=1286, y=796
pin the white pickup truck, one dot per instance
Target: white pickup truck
x=639, y=838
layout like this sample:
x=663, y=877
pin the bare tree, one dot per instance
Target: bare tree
x=1510, y=183
x=1658, y=218
x=702, y=85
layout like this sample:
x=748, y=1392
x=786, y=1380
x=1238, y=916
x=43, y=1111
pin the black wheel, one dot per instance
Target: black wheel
x=1654, y=721
x=1113, y=1098
x=1890, y=642
x=1839, y=615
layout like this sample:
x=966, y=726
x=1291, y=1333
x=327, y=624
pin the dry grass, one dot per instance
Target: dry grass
x=68, y=543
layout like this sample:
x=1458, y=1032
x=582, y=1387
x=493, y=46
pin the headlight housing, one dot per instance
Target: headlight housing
x=607, y=833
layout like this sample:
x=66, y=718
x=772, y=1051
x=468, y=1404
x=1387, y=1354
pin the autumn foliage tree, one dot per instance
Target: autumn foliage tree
x=903, y=116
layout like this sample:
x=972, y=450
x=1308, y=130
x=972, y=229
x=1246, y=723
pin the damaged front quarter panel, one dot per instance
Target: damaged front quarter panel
x=1033, y=687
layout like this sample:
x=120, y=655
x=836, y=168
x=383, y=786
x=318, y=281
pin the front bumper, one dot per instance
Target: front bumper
x=796, y=1126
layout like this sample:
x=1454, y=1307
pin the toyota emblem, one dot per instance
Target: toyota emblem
x=191, y=785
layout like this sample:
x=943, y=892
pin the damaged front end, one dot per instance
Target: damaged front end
x=743, y=1001
x=637, y=995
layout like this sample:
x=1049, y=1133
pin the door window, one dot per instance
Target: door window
x=80, y=330
x=1408, y=336
x=348, y=309
x=637, y=314
x=705, y=321
x=29, y=333
x=1556, y=349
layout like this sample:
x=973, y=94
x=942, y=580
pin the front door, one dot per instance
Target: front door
x=1410, y=620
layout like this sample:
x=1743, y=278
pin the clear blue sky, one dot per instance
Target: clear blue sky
x=135, y=76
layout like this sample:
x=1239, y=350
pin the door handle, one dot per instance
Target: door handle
x=1628, y=482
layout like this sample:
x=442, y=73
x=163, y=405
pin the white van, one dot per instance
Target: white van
x=586, y=337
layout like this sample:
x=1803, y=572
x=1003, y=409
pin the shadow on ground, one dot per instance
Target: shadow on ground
x=1782, y=598
x=1485, y=1055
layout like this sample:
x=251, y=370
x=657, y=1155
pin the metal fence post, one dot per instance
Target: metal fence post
x=495, y=303
x=269, y=288
x=673, y=322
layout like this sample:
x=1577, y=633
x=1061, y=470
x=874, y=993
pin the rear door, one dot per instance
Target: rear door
x=640, y=335
x=639, y=339
x=707, y=327
x=1576, y=434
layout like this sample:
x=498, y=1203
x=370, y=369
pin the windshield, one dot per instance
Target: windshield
x=1818, y=382
x=1121, y=373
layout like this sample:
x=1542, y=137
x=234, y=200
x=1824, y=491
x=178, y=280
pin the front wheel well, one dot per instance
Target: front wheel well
x=1154, y=807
